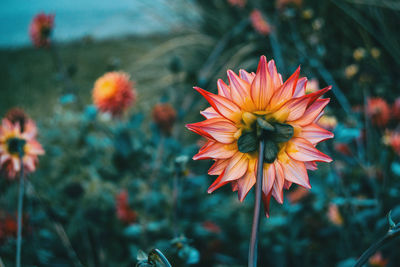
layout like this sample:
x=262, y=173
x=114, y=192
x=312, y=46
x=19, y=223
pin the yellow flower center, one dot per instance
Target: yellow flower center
x=106, y=89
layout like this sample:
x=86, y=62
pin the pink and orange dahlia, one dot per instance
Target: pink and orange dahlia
x=13, y=142
x=255, y=106
x=40, y=29
x=114, y=93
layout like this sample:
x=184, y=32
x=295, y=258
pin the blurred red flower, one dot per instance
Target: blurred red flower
x=164, y=115
x=124, y=213
x=377, y=260
x=378, y=111
x=114, y=93
x=282, y=3
x=41, y=28
x=392, y=139
x=238, y=3
x=396, y=109
x=343, y=148
x=211, y=227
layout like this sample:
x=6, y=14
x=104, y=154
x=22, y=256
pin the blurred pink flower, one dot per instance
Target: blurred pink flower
x=40, y=29
x=259, y=23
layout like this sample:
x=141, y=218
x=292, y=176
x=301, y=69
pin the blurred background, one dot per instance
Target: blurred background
x=114, y=184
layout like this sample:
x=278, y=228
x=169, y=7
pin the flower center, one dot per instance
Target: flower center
x=15, y=145
x=256, y=128
x=107, y=89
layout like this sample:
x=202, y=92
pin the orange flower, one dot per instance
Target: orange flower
x=259, y=23
x=40, y=29
x=12, y=140
x=378, y=111
x=334, y=215
x=392, y=139
x=164, y=115
x=113, y=92
x=255, y=103
x=238, y=3
x=377, y=260
x=282, y=3
x=396, y=109
x=124, y=212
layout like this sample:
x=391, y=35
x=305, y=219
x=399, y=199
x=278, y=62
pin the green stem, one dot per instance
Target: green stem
x=161, y=256
x=20, y=205
x=257, y=204
x=390, y=235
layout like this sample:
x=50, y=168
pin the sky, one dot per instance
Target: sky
x=75, y=19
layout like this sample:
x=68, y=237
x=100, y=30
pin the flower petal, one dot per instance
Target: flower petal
x=300, y=87
x=285, y=92
x=248, y=77
x=210, y=113
x=236, y=168
x=314, y=133
x=277, y=188
x=223, y=89
x=244, y=185
x=215, y=150
x=312, y=112
x=222, y=105
x=295, y=172
x=218, y=129
x=302, y=150
x=218, y=167
x=268, y=178
x=262, y=87
x=311, y=165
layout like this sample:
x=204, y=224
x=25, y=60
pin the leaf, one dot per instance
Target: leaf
x=271, y=151
x=283, y=132
x=265, y=125
x=247, y=142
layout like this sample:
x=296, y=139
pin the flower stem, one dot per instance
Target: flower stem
x=20, y=204
x=257, y=204
x=161, y=256
x=390, y=235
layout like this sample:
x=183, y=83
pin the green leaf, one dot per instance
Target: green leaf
x=265, y=125
x=271, y=151
x=283, y=132
x=247, y=142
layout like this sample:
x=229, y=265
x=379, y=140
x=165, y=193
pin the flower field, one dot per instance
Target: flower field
x=254, y=133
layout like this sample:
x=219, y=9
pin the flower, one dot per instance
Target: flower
x=114, y=93
x=359, y=53
x=350, y=71
x=40, y=29
x=343, y=148
x=377, y=260
x=327, y=122
x=396, y=109
x=392, y=139
x=334, y=215
x=259, y=23
x=254, y=105
x=164, y=115
x=378, y=111
x=12, y=142
x=124, y=212
x=375, y=52
x=238, y=3
x=312, y=86
x=282, y=3
x=211, y=227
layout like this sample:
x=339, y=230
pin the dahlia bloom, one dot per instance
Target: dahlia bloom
x=254, y=104
x=124, y=212
x=114, y=93
x=11, y=137
x=40, y=29
x=164, y=115
x=378, y=111
x=259, y=23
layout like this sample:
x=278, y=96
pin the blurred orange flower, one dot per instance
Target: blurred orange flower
x=259, y=23
x=378, y=111
x=334, y=215
x=392, y=139
x=114, y=93
x=124, y=213
x=377, y=260
x=164, y=115
x=262, y=101
x=40, y=29
x=12, y=140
